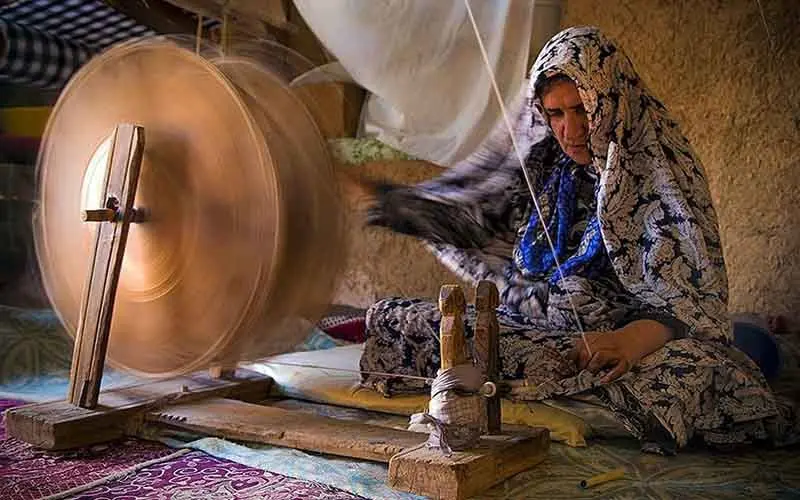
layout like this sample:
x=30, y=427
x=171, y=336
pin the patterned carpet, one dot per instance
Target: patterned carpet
x=196, y=475
x=136, y=470
x=690, y=475
x=34, y=360
x=694, y=474
x=22, y=467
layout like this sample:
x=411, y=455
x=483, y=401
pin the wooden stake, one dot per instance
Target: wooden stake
x=487, y=348
x=452, y=305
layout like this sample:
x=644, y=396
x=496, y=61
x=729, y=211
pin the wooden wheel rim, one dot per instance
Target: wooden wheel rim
x=203, y=269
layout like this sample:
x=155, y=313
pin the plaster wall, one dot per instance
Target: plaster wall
x=729, y=73
x=733, y=85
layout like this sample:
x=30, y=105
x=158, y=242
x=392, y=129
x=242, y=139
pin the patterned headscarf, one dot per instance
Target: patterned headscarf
x=654, y=207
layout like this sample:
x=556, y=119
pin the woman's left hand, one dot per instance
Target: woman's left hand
x=620, y=350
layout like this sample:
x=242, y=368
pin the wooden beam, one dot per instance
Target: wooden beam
x=59, y=425
x=452, y=305
x=240, y=421
x=97, y=304
x=158, y=15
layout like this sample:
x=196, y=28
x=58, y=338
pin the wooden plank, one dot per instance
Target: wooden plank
x=60, y=425
x=487, y=349
x=251, y=18
x=452, y=305
x=158, y=15
x=235, y=420
x=97, y=305
x=428, y=472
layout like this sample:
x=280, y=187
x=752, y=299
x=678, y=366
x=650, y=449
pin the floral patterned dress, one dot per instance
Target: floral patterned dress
x=635, y=236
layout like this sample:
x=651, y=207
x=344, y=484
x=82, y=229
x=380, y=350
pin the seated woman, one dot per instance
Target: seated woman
x=639, y=264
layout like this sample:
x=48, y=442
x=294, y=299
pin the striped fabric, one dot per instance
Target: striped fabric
x=43, y=42
x=90, y=23
x=35, y=58
x=46, y=41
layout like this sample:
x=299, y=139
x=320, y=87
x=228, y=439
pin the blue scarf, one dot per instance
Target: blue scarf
x=558, y=203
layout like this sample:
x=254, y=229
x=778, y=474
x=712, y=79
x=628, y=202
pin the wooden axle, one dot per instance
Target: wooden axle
x=111, y=215
x=99, y=215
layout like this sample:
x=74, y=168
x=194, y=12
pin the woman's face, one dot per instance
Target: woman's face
x=564, y=111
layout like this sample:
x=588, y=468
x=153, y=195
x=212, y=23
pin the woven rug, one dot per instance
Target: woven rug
x=196, y=475
x=136, y=469
x=23, y=468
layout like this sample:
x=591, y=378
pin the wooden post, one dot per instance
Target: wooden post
x=452, y=305
x=97, y=305
x=487, y=348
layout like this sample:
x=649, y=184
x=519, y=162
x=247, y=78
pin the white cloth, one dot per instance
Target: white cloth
x=430, y=93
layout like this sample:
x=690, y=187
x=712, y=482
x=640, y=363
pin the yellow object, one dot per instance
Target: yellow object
x=341, y=388
x=24, y=121
x=605, y=477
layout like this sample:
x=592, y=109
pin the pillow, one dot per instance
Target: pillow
x=342, y=388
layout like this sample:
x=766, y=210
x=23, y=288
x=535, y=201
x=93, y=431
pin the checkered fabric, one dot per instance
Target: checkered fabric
x=90, y=23
x=46, y=41
x=35, y=58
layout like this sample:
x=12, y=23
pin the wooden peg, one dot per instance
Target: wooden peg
x=225, y=372
x=452, y=305
x=99, y=215
x=487, y=347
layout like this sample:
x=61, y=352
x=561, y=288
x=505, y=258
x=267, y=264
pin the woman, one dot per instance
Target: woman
x=641, y=270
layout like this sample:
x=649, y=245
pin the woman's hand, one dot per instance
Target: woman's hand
x=620, y=350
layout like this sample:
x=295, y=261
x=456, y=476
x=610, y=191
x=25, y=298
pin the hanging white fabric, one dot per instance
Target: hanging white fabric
x=430, y=94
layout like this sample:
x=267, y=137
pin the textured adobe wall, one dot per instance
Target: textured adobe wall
x=381, y=263
x=737, y=97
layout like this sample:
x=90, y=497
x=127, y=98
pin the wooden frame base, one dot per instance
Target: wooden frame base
x=464, y=474
x=61, y=425
x=225, y=408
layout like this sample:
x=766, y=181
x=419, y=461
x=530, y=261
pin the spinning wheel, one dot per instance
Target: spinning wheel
x=196, y=193
x=240, y=226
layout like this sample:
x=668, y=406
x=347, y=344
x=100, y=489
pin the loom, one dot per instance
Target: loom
x=189, y=220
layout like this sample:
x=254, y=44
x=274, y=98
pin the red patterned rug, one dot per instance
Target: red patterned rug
x=197, y=475
x=135, y=469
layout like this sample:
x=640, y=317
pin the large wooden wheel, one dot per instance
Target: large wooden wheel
x=242, y=237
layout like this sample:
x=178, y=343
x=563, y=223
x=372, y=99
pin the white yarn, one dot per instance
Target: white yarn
x=454, y=411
